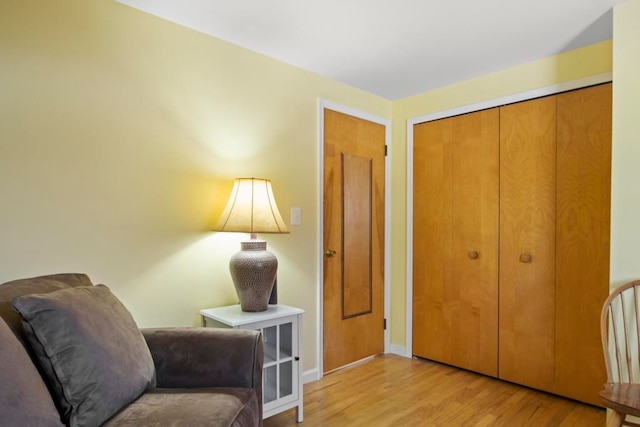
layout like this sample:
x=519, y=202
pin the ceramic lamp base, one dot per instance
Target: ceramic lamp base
x=253, y=271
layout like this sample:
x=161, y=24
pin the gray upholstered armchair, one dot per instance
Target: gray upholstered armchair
x=153, y=377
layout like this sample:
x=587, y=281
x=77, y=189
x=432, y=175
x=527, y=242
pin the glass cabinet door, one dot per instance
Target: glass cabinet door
x=280, y=372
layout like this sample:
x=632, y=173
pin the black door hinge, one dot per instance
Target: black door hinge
x=385, y=324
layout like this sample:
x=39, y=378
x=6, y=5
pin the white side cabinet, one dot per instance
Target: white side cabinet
x=281, y=328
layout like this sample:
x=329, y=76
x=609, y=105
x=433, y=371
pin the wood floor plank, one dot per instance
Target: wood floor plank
x=390, y=391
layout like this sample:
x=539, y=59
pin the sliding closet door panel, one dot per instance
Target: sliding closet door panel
x=456, y=241
x=583, y=204
x=527, y=242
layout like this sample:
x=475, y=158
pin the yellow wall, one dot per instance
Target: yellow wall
x=625, y=181
x=625, y=185
x=576, y=64
x=121, y=134
x=120, y=137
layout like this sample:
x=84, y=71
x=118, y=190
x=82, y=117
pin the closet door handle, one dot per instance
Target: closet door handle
x=526, y=258
x=473, y=255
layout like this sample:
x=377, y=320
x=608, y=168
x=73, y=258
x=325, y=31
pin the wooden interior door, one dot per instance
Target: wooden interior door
x=527, y=242
x=455, y=256
x=354, y=151
x=582, y=252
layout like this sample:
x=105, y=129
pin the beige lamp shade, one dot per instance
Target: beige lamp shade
x=252, y=209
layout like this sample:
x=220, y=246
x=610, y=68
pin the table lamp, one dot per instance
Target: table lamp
x=252, y=209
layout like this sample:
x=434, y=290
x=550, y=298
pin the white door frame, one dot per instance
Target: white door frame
x=509, y=99
x=322, y=105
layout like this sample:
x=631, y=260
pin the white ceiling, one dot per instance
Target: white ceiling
x=396, y=48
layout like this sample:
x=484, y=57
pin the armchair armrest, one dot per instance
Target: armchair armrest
x=206, y=357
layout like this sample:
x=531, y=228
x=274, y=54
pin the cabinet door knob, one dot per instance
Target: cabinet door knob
x=330, y=253
x=526, y=258
x=473, y=255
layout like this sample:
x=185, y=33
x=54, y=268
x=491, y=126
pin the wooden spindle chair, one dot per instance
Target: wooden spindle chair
x=620, y=332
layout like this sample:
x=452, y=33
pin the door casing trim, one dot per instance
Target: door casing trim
x=322, y=105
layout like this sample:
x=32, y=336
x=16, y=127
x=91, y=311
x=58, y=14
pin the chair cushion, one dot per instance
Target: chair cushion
x=24, y=398
x=194, y=407
x=89, y=348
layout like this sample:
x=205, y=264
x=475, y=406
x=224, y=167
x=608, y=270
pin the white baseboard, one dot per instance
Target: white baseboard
x=399, y=350
x=310, y=376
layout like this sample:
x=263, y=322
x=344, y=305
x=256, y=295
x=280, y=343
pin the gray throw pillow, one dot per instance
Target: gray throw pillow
x=90, y=348
x=24, y=398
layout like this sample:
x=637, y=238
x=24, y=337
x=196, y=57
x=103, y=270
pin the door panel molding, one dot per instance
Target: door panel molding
x=329, y=105
x=357, y=291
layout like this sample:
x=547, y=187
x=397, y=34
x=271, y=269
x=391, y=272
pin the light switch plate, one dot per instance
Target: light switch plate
x=296, y=216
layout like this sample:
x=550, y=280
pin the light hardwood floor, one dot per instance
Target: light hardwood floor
x=394, y=391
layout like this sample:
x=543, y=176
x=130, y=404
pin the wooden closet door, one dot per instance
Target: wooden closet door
x=582, y=251
x=455, y=241
x=432, y=239
x=527, y=242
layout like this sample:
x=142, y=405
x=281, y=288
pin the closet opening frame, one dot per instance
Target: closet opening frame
x=496, y=102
